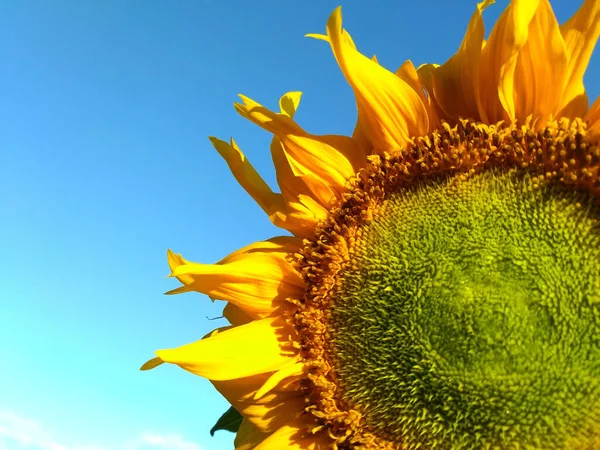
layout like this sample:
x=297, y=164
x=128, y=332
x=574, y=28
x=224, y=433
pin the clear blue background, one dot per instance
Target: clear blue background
x=105, y=109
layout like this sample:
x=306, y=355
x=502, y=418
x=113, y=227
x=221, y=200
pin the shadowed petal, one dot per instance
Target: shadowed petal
x=580, y=34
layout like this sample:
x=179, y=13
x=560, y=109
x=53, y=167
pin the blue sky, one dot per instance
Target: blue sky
x=105, y=163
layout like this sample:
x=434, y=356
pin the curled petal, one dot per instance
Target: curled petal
x=425, y=73
x=293, y=185
x=408, y=73
x=593, y=120
x=247, y=176
x=390, y=112
x=290, y=209
x=176, y=260
x=300, y=193
x=288, y=103
x=505, y=41
x=524, y=61
x=580, y=34
x=455, y=84
x=279, y=207
x=540, y=68
x=328, y=158
x=290, y=184
x=256, y=278
x=257, y=347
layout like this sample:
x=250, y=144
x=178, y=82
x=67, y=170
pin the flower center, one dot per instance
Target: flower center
x=469, y=315
x=453, y=295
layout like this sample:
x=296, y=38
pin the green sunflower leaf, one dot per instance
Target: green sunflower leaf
x=230, y=421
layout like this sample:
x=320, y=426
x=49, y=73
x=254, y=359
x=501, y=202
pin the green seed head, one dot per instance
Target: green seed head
x=469, y=316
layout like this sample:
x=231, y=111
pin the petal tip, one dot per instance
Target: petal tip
x=151, y=364
x=334, y=23
x=317, y=36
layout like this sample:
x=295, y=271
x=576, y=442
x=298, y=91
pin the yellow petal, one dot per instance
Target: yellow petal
x=285, y=244
x=593, y=120
x=328, y=158
x=294, y=437
x=407, y=73
x=508, y=36
x=288, y=103
x=243, y=390
x=275, y=205
x=456, y=83
x=267, y=413
x=151, y=364
x=390, y=112
x=256, y=347
x=176, y=260
x=425, y=73
x=216, y=331
x=248, y=436
x=293, y=370
x=236, y=315
x=274, y=411
x=540, y=68
x=580, y=34
x=291, y=185
x=247, y=176
x=525, y=60
x=256, y=278
x=305, y=202
x=301, y=217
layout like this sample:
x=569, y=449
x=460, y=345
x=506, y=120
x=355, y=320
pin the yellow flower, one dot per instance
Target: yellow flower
x=441, y=286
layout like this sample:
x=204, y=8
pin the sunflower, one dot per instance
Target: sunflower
x=439, y=284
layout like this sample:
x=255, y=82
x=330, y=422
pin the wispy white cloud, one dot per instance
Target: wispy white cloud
x=162, y=441
x=19, y=433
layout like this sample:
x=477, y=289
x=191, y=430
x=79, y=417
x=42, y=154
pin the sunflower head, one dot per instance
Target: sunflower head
x=440, y=287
